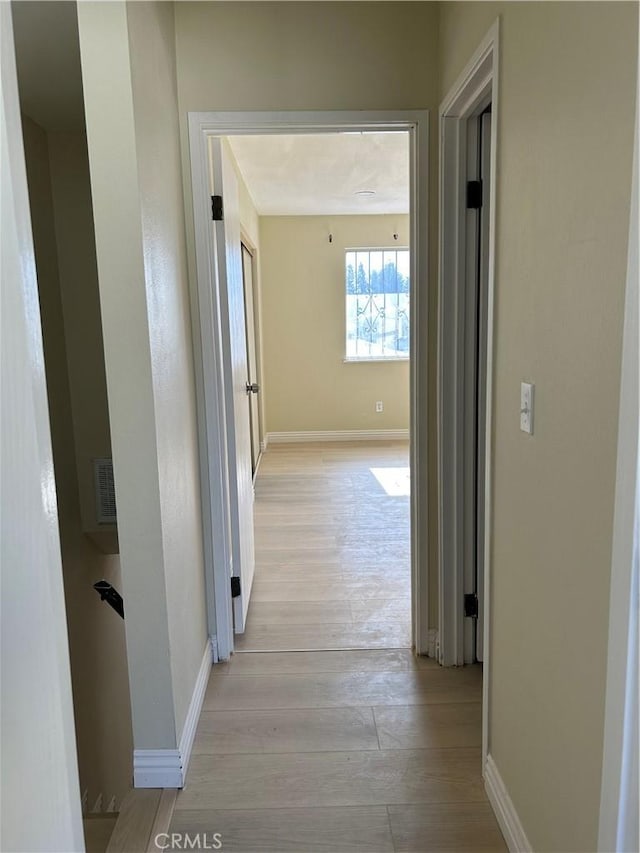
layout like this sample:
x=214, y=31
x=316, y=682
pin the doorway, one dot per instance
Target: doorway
x=222, y=508
x=331, y=499
x=475, y=376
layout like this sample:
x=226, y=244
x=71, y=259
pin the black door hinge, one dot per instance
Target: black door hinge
x=471, y=605
x=235, y=587
x=474, y=195
x=216, y=208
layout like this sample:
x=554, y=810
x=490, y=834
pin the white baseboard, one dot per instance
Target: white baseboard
x=337, y=435
x=195, y=707
x=157, y=768
x=167, y=768
x=505, y=811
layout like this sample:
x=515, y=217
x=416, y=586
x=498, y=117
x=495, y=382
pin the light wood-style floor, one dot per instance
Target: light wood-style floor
x=361, y=749
x=332, y=549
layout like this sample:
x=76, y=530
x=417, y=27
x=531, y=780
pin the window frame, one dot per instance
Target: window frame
x=360, y=359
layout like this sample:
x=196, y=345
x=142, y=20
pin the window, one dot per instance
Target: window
x=377, y=296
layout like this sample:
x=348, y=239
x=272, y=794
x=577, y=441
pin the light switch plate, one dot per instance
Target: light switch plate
x=526, y=407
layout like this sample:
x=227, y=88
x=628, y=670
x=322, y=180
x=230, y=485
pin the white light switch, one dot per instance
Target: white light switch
x=526, y=407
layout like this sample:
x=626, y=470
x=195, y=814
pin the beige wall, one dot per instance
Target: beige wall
x=153, y=75
x=129, y=84
x=308, y=386
x=73, y=345
x=299, y=56
x=75, y=241
x=567, y=78
x=40, y=805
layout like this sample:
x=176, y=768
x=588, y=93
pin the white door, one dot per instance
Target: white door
x=254, y=382
x=236, y=377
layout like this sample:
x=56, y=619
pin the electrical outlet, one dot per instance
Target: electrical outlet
x=379, y=406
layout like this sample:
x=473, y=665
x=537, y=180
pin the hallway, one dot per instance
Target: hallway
x=364, y=748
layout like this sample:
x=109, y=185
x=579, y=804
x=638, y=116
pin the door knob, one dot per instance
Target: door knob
x=252, y=387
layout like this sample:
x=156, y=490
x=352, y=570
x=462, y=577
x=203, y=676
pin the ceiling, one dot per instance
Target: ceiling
x=48, y=63
x=321, y=174
x=292, y=174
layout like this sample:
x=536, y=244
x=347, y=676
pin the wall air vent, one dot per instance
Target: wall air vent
x=105, y=491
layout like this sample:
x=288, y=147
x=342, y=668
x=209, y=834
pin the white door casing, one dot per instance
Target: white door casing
x=476, y=87
x=483, y=320
x=211, y=375
x=234, y=359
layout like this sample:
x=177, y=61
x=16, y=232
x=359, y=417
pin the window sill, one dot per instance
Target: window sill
x=358, y=360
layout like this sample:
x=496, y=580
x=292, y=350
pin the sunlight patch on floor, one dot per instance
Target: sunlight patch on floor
x=395, y=481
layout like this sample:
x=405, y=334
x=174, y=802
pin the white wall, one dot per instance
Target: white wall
x=309, y=385
x=132, y=129
x=40, y=792
x=565, y=135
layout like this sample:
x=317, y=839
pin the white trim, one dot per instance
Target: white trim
x=195, y=708
x=157, y=768
x=505, y=812
x=206, y=319
x=618, y=824
x=338, y=435
x=167, y=768
x=477, y=84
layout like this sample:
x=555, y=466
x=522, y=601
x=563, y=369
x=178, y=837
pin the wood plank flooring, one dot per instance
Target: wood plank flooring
x=360, y=747
x=332, y=549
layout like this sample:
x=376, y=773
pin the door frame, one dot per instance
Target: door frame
x=477, y=85
x=207, y=319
